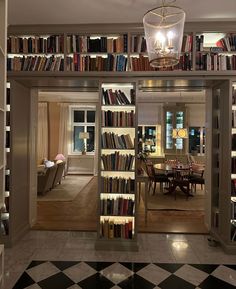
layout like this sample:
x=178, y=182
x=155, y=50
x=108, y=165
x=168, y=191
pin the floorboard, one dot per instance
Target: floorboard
x=81, y=215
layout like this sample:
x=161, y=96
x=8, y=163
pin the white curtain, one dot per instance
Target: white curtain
x=97, y=136
x=42, y=142
x=64, y=130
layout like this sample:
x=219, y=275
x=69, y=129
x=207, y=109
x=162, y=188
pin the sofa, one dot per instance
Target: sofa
x=59, y=173
x=46, y=179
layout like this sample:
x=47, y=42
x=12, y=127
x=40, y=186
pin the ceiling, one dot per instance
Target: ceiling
x=22, y=12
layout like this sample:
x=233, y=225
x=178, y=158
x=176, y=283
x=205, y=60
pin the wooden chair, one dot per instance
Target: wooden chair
x=196, y=177
x=155, y=178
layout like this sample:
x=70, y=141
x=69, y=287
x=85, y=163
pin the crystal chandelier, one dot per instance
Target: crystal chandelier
x=163, y=28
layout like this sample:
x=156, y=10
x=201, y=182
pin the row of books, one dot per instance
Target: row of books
x=233, y=95
x=187, y=43
x=141, y=63
x=35, y=44
x=216, y=62
x=118, y=118
x=233, y=118
x=81, y=62
x=199, y=42
x=77, y=43
x=233, y=210
x=117, y=162
x=35, y=63
x=138, y=44
x=228, y=43
x=234, y=144
x=233, y=187
x=111, y=140
x=114, y=229
x=7, y=182
x=7, y=139
x=116, y=207
x=4, y=227
x=117, y=185
x=117, y=97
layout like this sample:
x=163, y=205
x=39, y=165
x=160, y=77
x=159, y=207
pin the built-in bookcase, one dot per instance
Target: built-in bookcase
x=35, y=53
x=223, y=172
x=96, y=52
x=215, y=51
x=5, y=216
x=3, y=128
x=117, y=168
x=233, y=167
x=118, y=52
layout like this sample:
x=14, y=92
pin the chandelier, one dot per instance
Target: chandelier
x=163, y=28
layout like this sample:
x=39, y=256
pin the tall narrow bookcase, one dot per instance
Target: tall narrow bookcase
x=233, y=168
x=223, y=164
x=117, y=170
x=3, y=36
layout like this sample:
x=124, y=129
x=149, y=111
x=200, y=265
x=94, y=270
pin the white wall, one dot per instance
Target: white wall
x=149, y=113
x=196, y=114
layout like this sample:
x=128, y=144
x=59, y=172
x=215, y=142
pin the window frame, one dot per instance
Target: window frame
x=85, y=124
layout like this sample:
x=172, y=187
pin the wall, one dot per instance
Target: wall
x=196, y=114
x=149, y=113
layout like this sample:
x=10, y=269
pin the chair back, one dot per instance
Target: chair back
x=150, y=170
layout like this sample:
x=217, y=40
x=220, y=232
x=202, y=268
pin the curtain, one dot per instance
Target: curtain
x=97, y=136
x=64, y=130
x=42, y=143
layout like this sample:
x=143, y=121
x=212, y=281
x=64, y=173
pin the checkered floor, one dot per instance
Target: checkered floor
x=113, y=275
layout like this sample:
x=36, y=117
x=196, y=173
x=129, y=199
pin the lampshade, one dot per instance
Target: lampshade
x=180, y=133
x=149, y=142
x=163, y=28
x=84, y=135
x=60, y=157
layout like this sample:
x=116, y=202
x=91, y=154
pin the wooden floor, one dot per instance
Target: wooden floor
x=81, y=215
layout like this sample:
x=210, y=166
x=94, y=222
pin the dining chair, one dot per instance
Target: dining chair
x=155, y=177
x=196, y=177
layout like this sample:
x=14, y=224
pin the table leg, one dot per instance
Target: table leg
x=146, y=196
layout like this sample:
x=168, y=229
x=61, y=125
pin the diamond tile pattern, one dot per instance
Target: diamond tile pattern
x=125, y=275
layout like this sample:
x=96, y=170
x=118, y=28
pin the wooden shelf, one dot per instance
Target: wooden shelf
x=36, y=53
x=97, y=53
x=117, y=216
x=110, y=74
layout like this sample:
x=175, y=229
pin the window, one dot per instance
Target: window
x=83, y=121
x=174, y=118
x=196, y=140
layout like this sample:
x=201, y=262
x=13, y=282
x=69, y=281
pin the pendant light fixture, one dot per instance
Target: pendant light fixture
x=163, y=28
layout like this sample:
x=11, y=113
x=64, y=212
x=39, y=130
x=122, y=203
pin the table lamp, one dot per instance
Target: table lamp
x=84, y=136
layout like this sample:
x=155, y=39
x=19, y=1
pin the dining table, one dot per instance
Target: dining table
x=180, y=173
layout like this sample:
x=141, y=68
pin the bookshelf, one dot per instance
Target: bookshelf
x=233, y=167
x=3, y=169
x=35, y=53
x=117, y=168
x=223, y=165
x=120, y=51
x=215, y=51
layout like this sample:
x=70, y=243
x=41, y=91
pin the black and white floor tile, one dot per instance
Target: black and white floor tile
x=125, y=275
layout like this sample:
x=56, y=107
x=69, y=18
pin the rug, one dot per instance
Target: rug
x=168, y=202
x=123, y=275
x=67, y=190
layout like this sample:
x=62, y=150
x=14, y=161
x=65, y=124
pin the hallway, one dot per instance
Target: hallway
x=145, y=268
